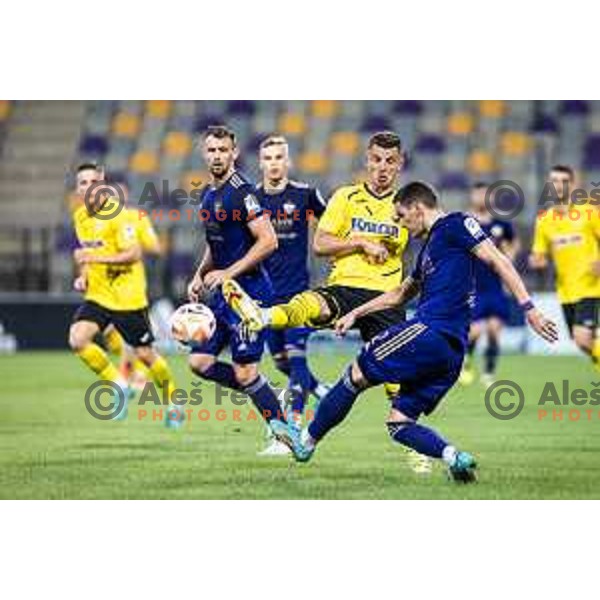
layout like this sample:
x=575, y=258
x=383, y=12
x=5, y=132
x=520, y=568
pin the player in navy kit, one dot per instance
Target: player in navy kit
x=292, y=207
x=424, y=354
x=238, y=239
x=491, y=308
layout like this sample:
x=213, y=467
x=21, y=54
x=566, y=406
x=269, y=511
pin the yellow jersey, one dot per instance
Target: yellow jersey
x=115, y=287
x=144, y=229
x=571, y=240
x=354, y=211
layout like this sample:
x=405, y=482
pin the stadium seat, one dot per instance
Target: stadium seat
x=4, y=109
x=177, y=143
x=456, y=180
x=312, y=163
x=574, y=107
x=345, y=142
x=481, y=163
x=94, y=146
x=544, y=123
x=375, y=123
x=158, y=108
x=460, y=124
x=494, y=109
x=126, y=125
x=244, y=108
x=144, y=161
x=430, y=144
x=324, y=109
x=591, y=153
x=412, y=108
x=292, y=124
x=515, y=143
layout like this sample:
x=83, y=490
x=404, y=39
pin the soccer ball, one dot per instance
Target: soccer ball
x=193, y=323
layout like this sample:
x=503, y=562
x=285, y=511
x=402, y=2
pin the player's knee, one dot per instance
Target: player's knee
x=200, y=363
x=282, y=362
x=397, y=421
x=582, y=338
x=245, y=374
x=78, y=338
x=358, y=379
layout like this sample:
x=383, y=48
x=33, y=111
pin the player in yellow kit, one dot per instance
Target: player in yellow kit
x=359, y=231
x=131, y=367
x=569, y=235
x=113, y=281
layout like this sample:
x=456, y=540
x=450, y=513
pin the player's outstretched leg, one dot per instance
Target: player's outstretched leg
x=426, y=441
x=303, y=310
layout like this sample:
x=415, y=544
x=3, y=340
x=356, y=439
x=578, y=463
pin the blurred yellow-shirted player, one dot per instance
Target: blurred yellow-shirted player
x=569, y=235
x=113, y=281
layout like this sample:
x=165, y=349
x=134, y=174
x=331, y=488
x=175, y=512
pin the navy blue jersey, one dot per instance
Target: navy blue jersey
x=445, y=271
x=226, y=212
x=487, y=281
x=290, y=211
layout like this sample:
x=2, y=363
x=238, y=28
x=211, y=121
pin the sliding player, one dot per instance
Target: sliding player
x=113, y=281
x=569, y=235
x=239, y=237
x=424, y=354
x=292, y=206
x=491, y=303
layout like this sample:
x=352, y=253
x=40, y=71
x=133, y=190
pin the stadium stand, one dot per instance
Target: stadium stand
x=449, y=143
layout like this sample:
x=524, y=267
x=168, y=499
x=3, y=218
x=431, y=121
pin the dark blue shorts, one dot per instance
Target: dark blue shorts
x=288, y=340
x=425, y=362
x=243, y=350
x=491, y=304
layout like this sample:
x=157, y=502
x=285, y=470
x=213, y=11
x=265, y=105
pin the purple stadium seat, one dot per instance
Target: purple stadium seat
x=408, y=107
x=454, y=180
x=591, y=153
x=543, y=124
x=203, y=122
x=431, y=144
x=375, y=123
x=574, y=107
x=254, y=143
x=93, y=145
x=241, y=108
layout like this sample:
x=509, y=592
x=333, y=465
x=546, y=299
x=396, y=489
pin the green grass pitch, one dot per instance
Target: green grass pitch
x=50, y=447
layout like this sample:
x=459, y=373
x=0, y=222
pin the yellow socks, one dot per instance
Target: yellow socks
x=596, y=353
x=391, y=389
x=114, y=341
x=302, y=310
x=161, y=374
x=138, y=366
x=97, y=360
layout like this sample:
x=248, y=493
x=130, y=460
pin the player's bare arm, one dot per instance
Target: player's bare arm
x=538, y=261
x=407, y=290
x=497, y=260
x=130, y=255
x=327, y=244
x=265, y=243
x=196, y=285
